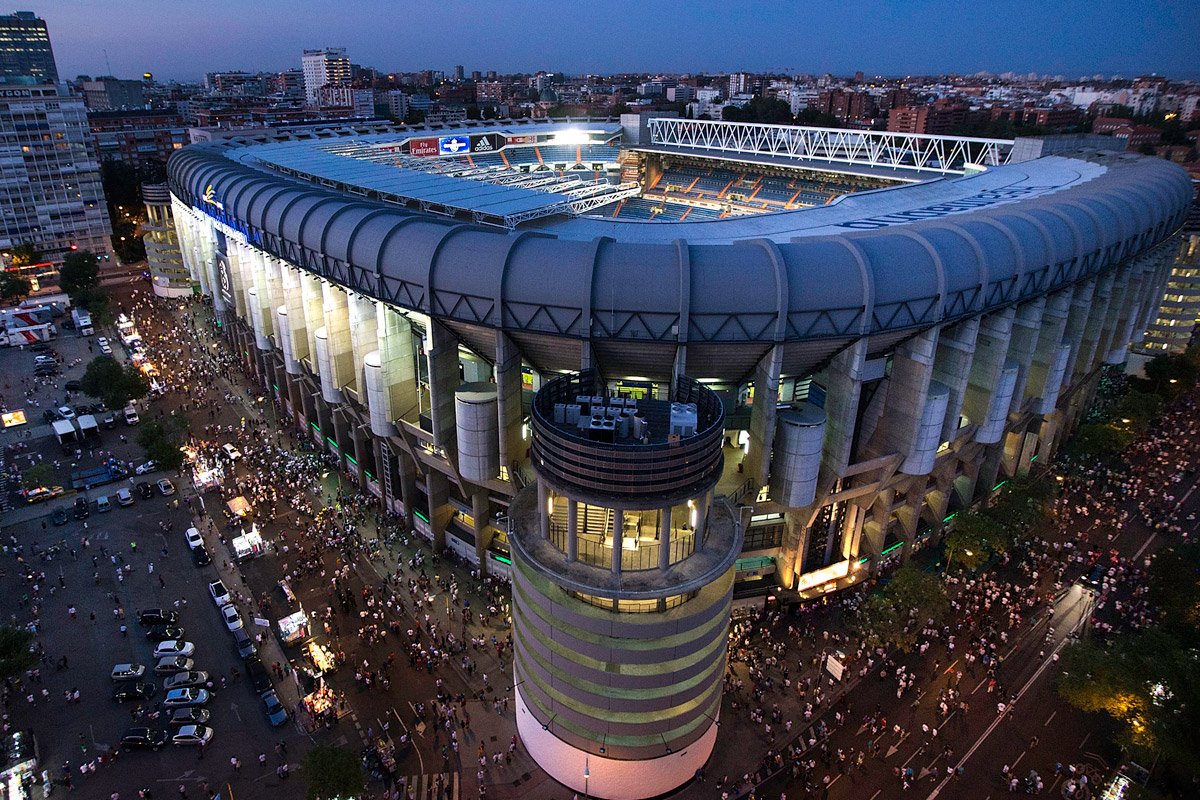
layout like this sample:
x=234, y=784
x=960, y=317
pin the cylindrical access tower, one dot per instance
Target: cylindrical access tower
x=622, y=584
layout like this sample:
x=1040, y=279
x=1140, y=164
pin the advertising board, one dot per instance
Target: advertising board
x=423, y=147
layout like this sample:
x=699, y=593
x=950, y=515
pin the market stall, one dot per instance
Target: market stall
x=239, y=506
x=322, y=657
x=206, y=475
x=248, y=545
x=293, y=627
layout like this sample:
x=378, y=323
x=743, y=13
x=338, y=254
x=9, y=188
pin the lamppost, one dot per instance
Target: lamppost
x=586, y=775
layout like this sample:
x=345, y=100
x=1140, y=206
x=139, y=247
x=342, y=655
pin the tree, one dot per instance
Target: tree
x=332, y=772
x=114, y=384
x=14, y=287
x=80, y=272
x=162, y=440
x=973, y=538
x=26, y=254
x=1096, y=440
x=1149, y=681
x=894, y=616
x=37, y=475
x=15, y=653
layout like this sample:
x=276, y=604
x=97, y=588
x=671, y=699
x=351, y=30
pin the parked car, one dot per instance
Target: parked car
x=193, y=538
x=174, y=647
x=244, y=644
x=145, y=490
x=192, y=734
x=134, y=690
x=80, y=508
x=157, y=616
x=180, y=698
x=124, y=497
x=128, y=672
x=103, y=504
x=231, y=452
x=166, y=488
x=50, y=415
x=259, y=677
x=73, y=386
x=220, y=594
x=41, y=493
x=232, y=620
x=162, y=633
x=200, y=557
x=276, y=714
x=189, y=716
x=145, y=469
x=172, y=664
x=66, y=412
x=182, y=680
x=60, y=516
x=143, y=739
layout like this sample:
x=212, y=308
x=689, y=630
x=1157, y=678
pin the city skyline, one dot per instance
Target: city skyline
x=1073, y=38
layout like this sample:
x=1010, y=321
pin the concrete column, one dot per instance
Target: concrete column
x=1112, y=319
x=907, y=396
x=952, y=367
x=312, y=305
x=481, y=514
x=544, y=508
x=441, y=348
x=1027, y=324
x=292, y=302
x=1043, y=366
x=337, y=330
x=572, y=530
x=406, y=476
x=991, y=348
x=1118, y=346
x=1093, y=330
x=509, y=406
x=618, y=533
x=239, y=273
x=762, y=415
x=842, y=393
x=398, y=363
x=664, y=539
x=1073, y=332
x=364, y=326
x=440, y=510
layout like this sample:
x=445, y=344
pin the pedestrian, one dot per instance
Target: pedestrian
x=262, y=760
x=237, y=765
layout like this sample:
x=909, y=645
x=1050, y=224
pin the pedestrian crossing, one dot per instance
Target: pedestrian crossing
x=430, y=786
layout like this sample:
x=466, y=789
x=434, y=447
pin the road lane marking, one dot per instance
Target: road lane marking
x=1047, y=722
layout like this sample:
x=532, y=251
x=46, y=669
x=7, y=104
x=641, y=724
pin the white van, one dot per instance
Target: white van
x=103, y=504
x=131, y=415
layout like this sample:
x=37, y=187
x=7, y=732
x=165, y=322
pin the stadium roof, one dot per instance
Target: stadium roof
x=484, y=202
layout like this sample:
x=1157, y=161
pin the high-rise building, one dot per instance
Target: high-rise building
x=326, y=67
x=459, y=73
x=106, y=93
x=25, y=48
x=50, y=190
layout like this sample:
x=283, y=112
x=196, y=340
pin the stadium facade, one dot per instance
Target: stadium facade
x=651, y=380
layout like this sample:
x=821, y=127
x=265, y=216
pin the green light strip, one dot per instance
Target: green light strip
x=998, y=485
x=369, y=475
x=893, y=547
x=331, y=441
x=952, y=516
x=422, y=516
x=275, y=386
x=315, y=427
x=502, y=559
x=351, y=459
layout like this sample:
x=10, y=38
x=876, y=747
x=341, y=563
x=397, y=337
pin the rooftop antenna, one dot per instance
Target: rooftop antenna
x=107, y=65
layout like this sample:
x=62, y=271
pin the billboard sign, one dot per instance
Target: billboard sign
x=13, y=418
x=454, y=145
x=526, y=139
x=423, y=147
x=486, y=143
x=225, y=282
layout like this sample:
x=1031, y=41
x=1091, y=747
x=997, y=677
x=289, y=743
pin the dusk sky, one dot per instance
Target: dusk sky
x=183, y=39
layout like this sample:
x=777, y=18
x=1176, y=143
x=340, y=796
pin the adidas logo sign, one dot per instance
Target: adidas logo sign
x=483, y=146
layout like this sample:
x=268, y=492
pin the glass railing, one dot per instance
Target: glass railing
x=591, y=550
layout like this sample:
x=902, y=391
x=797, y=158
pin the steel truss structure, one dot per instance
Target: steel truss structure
x=946, y=155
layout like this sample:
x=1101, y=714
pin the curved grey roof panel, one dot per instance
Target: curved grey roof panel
x=871, y=262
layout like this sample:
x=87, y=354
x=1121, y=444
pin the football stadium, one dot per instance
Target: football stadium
x=656, y=372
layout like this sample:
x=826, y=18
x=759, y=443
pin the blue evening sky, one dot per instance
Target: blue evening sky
x=184, y=38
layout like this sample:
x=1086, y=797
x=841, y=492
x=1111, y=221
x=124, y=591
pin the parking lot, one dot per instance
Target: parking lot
x=83, y=580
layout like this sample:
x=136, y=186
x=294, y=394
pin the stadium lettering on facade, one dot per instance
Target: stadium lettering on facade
x=981, y=200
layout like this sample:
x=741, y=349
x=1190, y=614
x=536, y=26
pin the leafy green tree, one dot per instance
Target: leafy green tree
x=162, y=439
x=15, y=655
x=1102, y=440
x=973, y=538
x=895, y=615
x=37, y=475
x=80, y=272
x=113, y=384
x=25, y=254
x=1149, y=682
x=13, y=287
x=332, y=773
